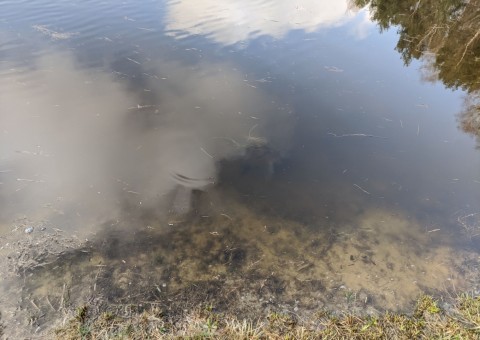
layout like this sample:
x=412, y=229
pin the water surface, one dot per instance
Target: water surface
x=279, y=155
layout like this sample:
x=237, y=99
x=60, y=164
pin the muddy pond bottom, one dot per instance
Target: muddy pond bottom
x=235, y=260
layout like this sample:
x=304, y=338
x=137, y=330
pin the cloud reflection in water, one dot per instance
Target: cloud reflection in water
x=79, y=143
x=231, y=21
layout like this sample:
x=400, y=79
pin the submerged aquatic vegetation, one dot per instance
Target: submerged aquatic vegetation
x=429, y=320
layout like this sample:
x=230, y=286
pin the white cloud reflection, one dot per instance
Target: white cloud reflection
x=78, y=142
x=230, y=21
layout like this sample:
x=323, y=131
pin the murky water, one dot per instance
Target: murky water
x=257, y=154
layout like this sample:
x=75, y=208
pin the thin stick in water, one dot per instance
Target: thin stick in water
x=205, y=152
x=355, y=135
x=225, y=215
x=360, y=188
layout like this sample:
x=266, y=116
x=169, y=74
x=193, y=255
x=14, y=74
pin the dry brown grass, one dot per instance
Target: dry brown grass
x=428, y=321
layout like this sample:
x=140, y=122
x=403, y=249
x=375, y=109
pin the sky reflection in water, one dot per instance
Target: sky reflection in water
x=291, y=130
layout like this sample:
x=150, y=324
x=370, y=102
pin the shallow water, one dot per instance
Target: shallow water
x=277, y=154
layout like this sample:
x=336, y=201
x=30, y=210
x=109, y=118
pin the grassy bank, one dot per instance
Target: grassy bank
x=428, y=321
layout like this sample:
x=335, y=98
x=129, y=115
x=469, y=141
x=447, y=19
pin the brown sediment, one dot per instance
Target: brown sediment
x=246, y=265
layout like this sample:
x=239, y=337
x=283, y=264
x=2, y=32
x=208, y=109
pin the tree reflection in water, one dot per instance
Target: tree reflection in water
x=445, y=34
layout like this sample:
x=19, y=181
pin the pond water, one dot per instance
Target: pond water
x=262, y=155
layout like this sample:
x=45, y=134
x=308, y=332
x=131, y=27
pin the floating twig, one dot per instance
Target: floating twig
x=34, y=305
x=225, y=215
x=29, y=180
x=360, y=188
x=251, y=138
x=50, y=304
x=355, y=135
x=205, y=152
x=134, y=61
x=62, y=300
